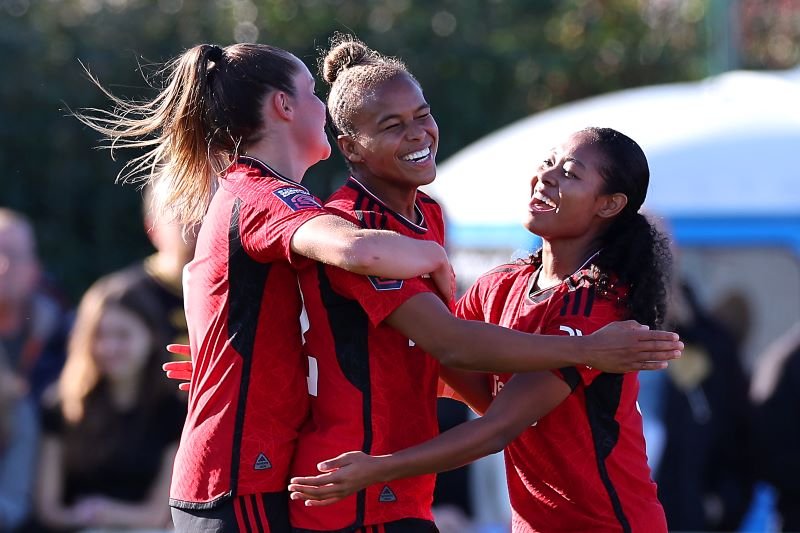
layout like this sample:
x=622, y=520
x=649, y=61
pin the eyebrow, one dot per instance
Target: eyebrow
x=573, y=160
x=388, y=117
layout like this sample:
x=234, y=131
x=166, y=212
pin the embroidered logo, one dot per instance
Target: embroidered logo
x=387, y=496
x=296, y=198
x=262, y=463
x=385, y=284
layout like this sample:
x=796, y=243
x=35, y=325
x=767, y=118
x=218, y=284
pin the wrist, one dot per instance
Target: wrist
x=581, y=351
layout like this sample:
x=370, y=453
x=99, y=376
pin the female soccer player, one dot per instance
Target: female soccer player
x=370, y=384
x=243, y=124
x=573, y=440
x=368, y=341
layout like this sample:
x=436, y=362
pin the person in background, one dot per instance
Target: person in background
x=33, y=325
x=775, y=397
x=19, y=431
x=697, y=428
x=161, y=273
x=111, y=428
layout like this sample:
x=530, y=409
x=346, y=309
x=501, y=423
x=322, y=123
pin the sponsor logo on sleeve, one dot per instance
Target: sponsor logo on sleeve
x=385, y=284
x=296, y=198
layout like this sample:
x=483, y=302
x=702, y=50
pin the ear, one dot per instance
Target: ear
x=612, y=204
x=281, y=105
x=350, y=148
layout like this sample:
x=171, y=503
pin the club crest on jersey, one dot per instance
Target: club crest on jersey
x=385, y=284
x=262, y=463
x=296, y=198
x=387, y=495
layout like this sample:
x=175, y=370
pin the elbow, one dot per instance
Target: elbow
x=454, y=357
x=360, y=254
x=495, y=437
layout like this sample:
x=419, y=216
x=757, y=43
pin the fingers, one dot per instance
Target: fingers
x=316, y=496
x=180, y=366
x=653, y=365
x=310, y=481
x=184, y=387
x=180, y=349
x=660, y=350
x=658, y=335
x=179, y=375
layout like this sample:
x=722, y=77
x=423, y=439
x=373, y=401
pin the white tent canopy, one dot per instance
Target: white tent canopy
x=725, y=146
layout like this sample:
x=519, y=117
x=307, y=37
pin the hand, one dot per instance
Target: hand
x=444, y=278
x=627, y=346
x=344, y=475
x=180, y=370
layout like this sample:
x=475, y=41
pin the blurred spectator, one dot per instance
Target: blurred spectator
x=696, y=425
x=18, y=442
x=161, y=273
x=110, y=433
x=32, y=325
x=775, y=394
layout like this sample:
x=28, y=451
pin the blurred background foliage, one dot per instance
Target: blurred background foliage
x=483, y=64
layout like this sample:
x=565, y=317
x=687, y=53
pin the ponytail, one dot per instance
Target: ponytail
x=194, y=128
x=639, y=257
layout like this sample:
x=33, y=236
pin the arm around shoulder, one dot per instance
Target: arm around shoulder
x=333, y=240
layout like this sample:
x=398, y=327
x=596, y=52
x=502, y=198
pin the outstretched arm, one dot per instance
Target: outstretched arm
x=334, y=241
x=473, y=345
x=524, y=400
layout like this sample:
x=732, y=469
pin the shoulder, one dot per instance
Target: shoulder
x=424, y=198
x=508, y=271
x=501, y=280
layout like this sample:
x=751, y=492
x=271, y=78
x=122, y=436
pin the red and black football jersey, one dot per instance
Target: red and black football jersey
x=582, y=467
x=371, y=388
x=248, y=394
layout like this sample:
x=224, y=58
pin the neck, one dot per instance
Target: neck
x=561, y=258
x=400, y=198
x=281, y=158
x=124, y=392
x=169, y=263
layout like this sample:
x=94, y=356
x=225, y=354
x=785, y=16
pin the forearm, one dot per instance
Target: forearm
x=452, y=449
x=334, y=241
x=473, y=345
x=391, y=255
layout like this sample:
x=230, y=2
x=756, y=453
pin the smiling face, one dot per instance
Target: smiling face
x=567, y=192
x=395, y=137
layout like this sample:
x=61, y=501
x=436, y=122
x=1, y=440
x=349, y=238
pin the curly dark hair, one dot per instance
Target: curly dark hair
x=633, y=252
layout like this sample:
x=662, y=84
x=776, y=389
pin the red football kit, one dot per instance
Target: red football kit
x=582, y=467
x=371, y=389
x=248, y=394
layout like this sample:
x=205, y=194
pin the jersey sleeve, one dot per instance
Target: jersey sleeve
x=379, y=297
x=470, y=305
x=579, y=314
x=266, y=229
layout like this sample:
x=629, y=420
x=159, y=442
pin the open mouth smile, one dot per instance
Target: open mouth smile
x=541, y=203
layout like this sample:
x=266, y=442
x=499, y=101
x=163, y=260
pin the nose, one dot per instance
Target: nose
x=415, y=132
x=547, y=176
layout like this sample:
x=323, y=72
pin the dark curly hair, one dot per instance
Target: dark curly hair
x=633, y=252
